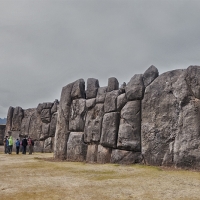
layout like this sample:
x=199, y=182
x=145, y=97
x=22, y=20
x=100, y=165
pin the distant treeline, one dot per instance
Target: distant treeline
x=3, y=121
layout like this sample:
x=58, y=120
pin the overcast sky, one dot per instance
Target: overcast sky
x=46, y=44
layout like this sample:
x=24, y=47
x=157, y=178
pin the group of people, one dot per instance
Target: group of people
x=8, y=145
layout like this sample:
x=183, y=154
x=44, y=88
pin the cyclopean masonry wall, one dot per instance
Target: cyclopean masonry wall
x=38, y=123
x=152, y=120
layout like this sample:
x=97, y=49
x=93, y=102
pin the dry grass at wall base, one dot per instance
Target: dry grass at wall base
x=36, y=177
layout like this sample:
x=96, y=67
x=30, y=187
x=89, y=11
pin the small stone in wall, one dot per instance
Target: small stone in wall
x=92, y=88
x=113, y=84
x=76, y=148
x=125, y=157
x=92, y=153
x=101, y=95
x=103, y=154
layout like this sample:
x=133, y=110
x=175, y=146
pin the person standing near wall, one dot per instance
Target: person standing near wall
x=30, y=145
x=17, y=144
x=10, y=140
x=24, y=144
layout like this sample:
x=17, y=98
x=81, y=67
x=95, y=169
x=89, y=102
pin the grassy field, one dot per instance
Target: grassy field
x=32, y=177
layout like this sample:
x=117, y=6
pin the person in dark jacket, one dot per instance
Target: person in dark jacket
x=17, y=144
x=24, y=144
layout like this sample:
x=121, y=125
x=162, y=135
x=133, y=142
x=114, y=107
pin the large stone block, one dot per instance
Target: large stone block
x=31, y=124
x=101, y=95
x=53, y=123
x=9, y=119
x=92, y=153
x=135, y=88
x=110, y=126
x=90, y=103
x=92, y=88
x=76, y=148
x=45, y=105
x=161, y=117
x=55, y=106
x=150, y=75
x=45, y=131
x=129, y=135
x=78, y=89
x=62, y=127
x=125, y=157
x=110, y=104
x=121, y=101
x=113, y=84
x=93, y=124
x=45, y=115
x=185, y=151
x=103, y=154
x=77, y=115
x=18, y=115
x=193, y=80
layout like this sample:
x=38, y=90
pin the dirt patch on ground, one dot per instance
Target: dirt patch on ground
x=36, y=177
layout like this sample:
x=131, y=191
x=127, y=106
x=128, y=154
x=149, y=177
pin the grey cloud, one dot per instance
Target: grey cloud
x=48, y=44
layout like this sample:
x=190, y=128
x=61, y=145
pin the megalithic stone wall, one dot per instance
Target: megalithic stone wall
x=101, y=124
x=152, y=119
x=38, y=123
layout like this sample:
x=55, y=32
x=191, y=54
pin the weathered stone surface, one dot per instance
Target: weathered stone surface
x=110, y=104
x=110, y=127
x=45, y=115
x=92, y=88
x=90, y=103
x=121, y=101
x=135, y=88
x=150, y=75
x=9, y=119
x=76, y=148
x=55, y=106
x=62, y=127
x=2, y=133
x=92, y=153
x=39, y=107
x=18, y=115
x=113, y=84
x=122, y=88
x=31, y=124
x=101, y=95
x=53, y=123
x=77, y=115
x=125, y=157
x=45, y=105
x=193, y=80
x=48, y=145
x=129, y=135
x=103, y=154
x=34, y=125
x=78, y=89
x=26, y=121
x=161, y=118
x=39, y=146
x=45, y=131
x=185, y=151
x=93, y=124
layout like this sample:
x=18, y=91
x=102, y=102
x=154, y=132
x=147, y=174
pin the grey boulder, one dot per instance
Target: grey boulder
x=135, y=88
